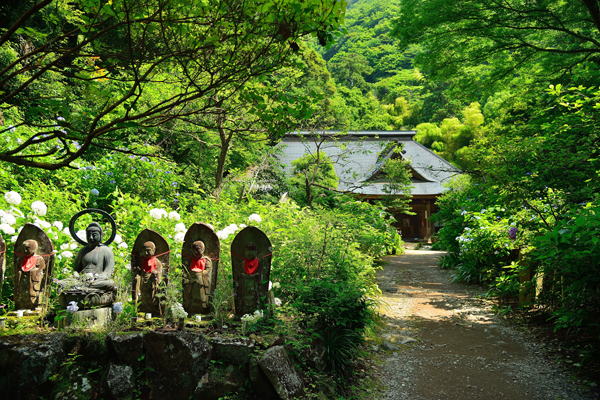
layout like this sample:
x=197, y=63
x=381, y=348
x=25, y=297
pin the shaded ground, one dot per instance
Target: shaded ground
x=444, y=342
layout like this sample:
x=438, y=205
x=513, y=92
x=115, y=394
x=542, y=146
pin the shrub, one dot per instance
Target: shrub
x=338, y=315
x=570, y=256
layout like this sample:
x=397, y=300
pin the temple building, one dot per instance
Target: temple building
x=358, y=158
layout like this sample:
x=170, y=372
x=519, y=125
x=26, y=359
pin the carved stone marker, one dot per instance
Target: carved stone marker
x=251, y=264
x=200, y=259
x=33, y=261
x=95, y=264
x=2, y=264
x=149, y=267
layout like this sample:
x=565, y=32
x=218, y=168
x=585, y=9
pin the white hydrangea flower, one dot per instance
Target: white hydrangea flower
x=277, y=302
x=66, y=231
x=64, y=246
x=59, y=225
x=82, y=235
x=128, y=267
x=118, y=239
x=122, y=245
x=65, y=271
x=255, y=218
x=9, y=219
x=158, y=213
x=39, y=208
x=179, y=236
x=73, y=246
x=9, y=230
x=253, y=318
x=44, y=224
x=13, y=239
x=12, y=198
x=67, y=254
x=178, y=311
x=180, y=227
x=228, y=230
x=242, y=226
x=276, y=285
x=2, y=213
x=174, y=215
x=222, y=235
x=20, y=229
x=121, y=255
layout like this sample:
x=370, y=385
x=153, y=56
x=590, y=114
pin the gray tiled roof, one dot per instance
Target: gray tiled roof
x=355, y=161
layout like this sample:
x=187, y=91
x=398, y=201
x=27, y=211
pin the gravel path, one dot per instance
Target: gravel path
x=443, y=342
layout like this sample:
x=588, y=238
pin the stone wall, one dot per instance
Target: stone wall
x=150, y=365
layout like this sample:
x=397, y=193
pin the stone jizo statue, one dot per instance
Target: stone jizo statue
x=200, y=250
x=29, y=277
x=33, y=260
x=251, y=254
x=197, y=280
x=148, y=274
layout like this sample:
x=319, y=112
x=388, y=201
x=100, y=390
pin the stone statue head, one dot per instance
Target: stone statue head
x=198, y=248
x=251, y=251
x=94, y=233
x=29, y=247
x=149, y=249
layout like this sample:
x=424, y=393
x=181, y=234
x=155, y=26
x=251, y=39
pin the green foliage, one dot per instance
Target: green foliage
x=312, y=176
x=480, y=43
x=570, y=260
x=339, y=314
x=451, y=139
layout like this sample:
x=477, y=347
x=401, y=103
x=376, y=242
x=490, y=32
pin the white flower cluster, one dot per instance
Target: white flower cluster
x=118, y=308
x=82, y=235
x=158, y=213
x=274, y=285
x=39, y=208
x=12, y=198
x=72, y=307
x=228, y=230
x=174, y=215
x=253, y=318
x=66, y=254
x=118, y=239
x=179, y=236
x=178, y=311
x=277, y=302
x=7, y=229
x=9, y=219
x=255, y=218
x=180, y=227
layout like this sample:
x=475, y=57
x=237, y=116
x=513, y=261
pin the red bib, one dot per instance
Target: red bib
x=28, y=263
x=149, y=264
x=250, y=266
x=198, y=264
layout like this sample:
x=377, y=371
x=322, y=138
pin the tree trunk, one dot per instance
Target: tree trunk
x=225, y=142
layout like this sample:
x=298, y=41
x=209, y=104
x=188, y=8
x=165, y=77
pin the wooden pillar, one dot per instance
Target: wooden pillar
x=428, y=222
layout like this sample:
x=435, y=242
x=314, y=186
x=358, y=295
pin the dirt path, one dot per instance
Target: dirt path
x=443, y=342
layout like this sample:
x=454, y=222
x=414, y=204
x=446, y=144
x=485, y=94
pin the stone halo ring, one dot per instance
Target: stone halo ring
x=90, y=211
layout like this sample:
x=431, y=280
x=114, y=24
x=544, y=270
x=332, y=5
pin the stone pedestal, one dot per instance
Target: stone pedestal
x=89, y=318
